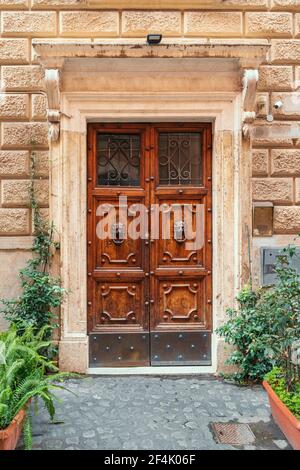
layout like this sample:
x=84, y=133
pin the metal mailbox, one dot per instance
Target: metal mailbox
x=268, y=261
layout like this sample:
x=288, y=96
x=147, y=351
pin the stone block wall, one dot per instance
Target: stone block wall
x=276, y=162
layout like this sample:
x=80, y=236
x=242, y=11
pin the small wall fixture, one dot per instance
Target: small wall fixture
x=154, y=39
x=263, y=219
x=278, y=104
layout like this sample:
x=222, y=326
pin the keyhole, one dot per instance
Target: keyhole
x=182, y=232
x=118, y=234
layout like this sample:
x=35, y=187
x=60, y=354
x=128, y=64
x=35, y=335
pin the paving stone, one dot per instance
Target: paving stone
x=90, y=445
x=262, y=412
x=89, y=434
x=153, y=413
x=130, y=445
x=53, y=444
x=192, y=425
x=72, y=440
x=281, y=443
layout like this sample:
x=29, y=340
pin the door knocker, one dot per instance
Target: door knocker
x=179, y=231
x=118, y=233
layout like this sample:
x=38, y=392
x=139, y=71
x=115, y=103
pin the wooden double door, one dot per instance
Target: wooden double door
x=149, y=242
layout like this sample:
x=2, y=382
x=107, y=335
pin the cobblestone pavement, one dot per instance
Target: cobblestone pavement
x=160, y=413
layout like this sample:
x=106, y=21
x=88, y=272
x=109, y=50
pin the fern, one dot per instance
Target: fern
x=23, y=377
x=27, y=432
x=49, y=404
x=13, y=370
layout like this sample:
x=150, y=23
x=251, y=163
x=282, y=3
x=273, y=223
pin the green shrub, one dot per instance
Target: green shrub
x=276, y=379
x=266, y=323
x=247, y=329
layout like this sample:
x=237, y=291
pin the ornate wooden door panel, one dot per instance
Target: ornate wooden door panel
x=118, y=285
x=123, y=253
x=180, y=319
x=149, y=297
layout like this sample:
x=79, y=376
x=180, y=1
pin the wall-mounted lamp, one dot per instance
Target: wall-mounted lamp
x=261, y=103
x=154, y=39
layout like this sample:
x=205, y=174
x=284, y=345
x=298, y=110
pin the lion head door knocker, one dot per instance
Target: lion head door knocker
x=179, y=231
x=118, y=233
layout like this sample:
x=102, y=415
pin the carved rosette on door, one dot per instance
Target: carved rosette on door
x=149, y=244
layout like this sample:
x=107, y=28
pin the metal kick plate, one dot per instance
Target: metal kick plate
x=119, y=350
x=181, y=348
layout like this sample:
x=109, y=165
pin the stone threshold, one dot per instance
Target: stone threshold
x=159, y=370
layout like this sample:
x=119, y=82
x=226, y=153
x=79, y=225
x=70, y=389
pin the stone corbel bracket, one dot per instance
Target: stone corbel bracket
x=250, y=80
x=52, y=82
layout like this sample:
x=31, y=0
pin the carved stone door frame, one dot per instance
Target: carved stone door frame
x=231, y=196
x=226, y=100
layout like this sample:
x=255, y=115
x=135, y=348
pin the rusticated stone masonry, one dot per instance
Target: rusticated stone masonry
x=275, y=162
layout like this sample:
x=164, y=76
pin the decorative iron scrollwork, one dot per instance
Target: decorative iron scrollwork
x=118, y=233
x=179, y=231
x=180, y=158
x=118, y=159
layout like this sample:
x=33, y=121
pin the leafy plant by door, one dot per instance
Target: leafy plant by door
x=41, y=292
x=23, y=376
x=266, y=324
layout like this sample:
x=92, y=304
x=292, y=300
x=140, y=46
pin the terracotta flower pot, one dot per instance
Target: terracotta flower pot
x=9, y=437
x=289, y=425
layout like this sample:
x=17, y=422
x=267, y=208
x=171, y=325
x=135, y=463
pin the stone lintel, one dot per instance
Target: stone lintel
x=248, y=53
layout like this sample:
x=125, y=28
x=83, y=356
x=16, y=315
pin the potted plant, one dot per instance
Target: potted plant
x=24, y=375
x=265, y=333
x=282, y=383
x=285, y=402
